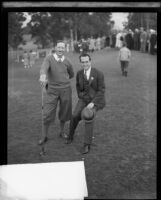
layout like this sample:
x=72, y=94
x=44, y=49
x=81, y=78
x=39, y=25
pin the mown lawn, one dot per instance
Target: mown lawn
x=122, y=161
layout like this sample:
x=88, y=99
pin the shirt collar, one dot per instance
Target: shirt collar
x=88, y=71
x=57, y=58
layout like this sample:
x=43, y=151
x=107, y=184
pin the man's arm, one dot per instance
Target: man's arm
x=70, y=70
x=43, y=72
x=45, y=66
x=80, y=94
x=99, y=99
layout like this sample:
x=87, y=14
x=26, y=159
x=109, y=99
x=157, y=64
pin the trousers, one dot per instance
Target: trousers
x=88, y=125
x=63, y=96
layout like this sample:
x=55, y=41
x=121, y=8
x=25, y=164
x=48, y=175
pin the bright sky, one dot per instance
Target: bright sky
x=119, y=18
x=28, y=17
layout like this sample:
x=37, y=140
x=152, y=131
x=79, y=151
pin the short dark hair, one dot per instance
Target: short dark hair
x=84, y=55
x=60, y=41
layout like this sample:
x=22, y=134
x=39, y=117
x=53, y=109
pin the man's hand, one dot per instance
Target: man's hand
x=90, y=105
x=43, y=80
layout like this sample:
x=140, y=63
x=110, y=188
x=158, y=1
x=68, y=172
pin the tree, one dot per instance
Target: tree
x=146, y=20
x=15, y=22
x=59, y=26
x=51, y=26
x=95, y=24
x=40, y=27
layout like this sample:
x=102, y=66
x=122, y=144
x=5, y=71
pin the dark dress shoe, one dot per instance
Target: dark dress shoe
x=42, y=141
x=86, y=149
x=69, y=140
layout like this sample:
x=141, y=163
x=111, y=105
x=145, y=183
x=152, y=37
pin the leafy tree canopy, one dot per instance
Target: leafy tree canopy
x=146, y=20
x=48, y=27
x=15, y=22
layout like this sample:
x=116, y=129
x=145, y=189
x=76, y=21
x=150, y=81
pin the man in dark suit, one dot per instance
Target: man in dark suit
x=90, y=89
x=153, y=42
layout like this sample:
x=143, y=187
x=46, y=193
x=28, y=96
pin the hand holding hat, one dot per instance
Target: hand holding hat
x=87, y=114
x=90, y=105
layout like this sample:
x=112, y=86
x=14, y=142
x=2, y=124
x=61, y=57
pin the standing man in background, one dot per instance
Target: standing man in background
x=143, y=40
x=92, y=44
x=90, y=89
x=55, y=74
x=31, y=58
x=26, y=59
x=136, y=39
x=153, y=42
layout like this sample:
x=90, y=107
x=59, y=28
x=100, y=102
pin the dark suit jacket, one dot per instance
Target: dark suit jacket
x=96, y=87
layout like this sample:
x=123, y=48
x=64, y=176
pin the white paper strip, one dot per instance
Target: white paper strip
x=59, y=180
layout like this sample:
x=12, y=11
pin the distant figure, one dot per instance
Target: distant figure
x=124, y=57
x=26, y=59
x=103, y=42
x=113, y=40
x=98, y=43
x=153, y=42
x=31, y=58
x=107, y=43
x=67, y=47
x=129, y=39
x=118, y=40
x=84, y=46
x=143, y=39
x=92, y=44
x=148, y=41
x=136, y=39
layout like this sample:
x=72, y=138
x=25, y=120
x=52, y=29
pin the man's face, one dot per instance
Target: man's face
x=60, y=49
x=85, y=62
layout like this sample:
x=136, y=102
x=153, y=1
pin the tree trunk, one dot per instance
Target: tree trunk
x=75, y=26
x=142, y=20
x=75, y=34
x=71, y=37
x=147, y=21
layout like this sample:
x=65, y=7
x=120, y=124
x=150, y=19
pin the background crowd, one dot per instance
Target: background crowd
x=140, y=40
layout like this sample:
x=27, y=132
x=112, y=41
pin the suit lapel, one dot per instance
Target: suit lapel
x=91, y=77
x=84, y=75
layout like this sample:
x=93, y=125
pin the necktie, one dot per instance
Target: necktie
x=59, y=60
x=85, y=72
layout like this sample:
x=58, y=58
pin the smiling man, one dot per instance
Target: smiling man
x=55, y=74
x=90, y=89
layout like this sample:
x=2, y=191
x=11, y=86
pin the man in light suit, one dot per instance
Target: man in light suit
x=90, y=89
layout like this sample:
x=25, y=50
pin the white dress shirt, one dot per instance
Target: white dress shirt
x=57, y=58
x=87, y=73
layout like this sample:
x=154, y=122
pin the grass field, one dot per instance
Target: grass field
x=122, y=161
